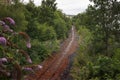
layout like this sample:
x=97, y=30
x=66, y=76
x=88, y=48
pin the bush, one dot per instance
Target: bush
x=38, y=51
x=12, y=55
x=60, y=28
x=45, y=32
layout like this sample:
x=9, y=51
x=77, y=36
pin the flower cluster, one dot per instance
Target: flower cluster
x=10, y=20
x=2, y=60
x=8, y=45
x=6, y=28
x=3, y=41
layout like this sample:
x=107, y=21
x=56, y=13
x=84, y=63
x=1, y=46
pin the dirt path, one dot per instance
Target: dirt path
x=55, y=65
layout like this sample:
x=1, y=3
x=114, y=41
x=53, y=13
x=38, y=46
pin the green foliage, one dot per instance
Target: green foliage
x=105, y=68
x=12, y=11
x=45, y=25
x=103, y=21
x=41, y=50
x=85, y=40
x=101, y=68
x=38, y=51
x=117, y=54
x=47, y=16
x=80, y=70
x=60, y=28
x=46, y=33
x=61, y=24
x=42, y=32
x=47, y=9
x=99, y=50
x=106, y=20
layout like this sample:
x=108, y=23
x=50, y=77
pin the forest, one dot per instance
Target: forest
x=29, y=34
x=98, y=55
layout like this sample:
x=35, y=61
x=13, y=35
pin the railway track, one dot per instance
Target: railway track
x=55, y=65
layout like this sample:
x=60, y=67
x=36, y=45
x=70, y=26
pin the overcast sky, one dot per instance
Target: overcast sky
x=71, y=7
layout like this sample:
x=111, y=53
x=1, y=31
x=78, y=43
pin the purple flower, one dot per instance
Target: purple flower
x=29, y=60
x=27, y=69
x=28, y=44
x=27, y=38
x=3, y=41
x=7, y=28
x=3, y=60
x=14, y=33
x=11, y=30
x=10, y=20
x=5, y=72
x=2, y=23
x=39, y=66
x=8, y=74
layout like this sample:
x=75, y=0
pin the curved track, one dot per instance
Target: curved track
x=55, y=65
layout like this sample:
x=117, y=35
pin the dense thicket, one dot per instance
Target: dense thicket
x=99, y=29
x=46, y=25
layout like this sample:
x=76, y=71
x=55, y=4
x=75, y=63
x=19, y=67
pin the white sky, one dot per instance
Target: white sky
x=71, y=7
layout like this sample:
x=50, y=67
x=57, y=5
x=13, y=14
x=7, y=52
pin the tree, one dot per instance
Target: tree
x=107, y=17
x=47, y=9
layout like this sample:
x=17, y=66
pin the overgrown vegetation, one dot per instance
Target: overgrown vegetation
x=99, y=51
x=46, y=26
